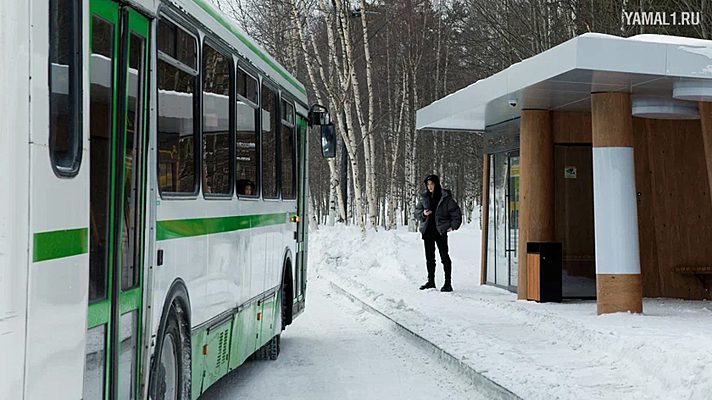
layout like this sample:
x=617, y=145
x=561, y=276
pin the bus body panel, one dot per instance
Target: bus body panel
x=153, y=302
x=57, y=292
x=14, y=180
x=223, y=270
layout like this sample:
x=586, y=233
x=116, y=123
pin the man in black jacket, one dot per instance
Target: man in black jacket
x=438, y=214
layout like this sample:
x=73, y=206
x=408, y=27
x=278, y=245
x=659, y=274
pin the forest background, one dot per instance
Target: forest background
x=375, y=63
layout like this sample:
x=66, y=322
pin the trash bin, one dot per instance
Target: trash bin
x=544, y=268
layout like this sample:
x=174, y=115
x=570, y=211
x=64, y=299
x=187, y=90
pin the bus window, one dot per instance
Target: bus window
x=269, y=144
x=247, y=137
x=65, y=130
x=177, y=142
x=217, y=177
x=288, y=152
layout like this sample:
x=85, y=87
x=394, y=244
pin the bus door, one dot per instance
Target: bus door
x=118, y=139
x=302, y=198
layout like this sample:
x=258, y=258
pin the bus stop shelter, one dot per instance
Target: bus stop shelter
x=610, y=155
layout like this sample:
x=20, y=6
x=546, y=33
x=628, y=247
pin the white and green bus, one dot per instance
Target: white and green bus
x=153, y=202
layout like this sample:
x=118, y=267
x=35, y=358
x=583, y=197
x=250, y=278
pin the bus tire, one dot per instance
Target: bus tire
x=171, y=369
x=273, y=348
x=287, y=295
x=269, y=351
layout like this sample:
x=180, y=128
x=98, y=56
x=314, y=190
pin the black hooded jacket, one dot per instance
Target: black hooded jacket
x=447, y=214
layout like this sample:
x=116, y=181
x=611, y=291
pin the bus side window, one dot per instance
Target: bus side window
x=288, y=152
x=270, y=164
x=217, y=167
x=177, y=139
x=247, y=136
x=65, y=86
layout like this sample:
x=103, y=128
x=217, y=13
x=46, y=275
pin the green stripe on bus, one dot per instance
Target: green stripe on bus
x=60, y=244
x=129, y=300
x=98, y=314
x=181, y=228
x=219, y=18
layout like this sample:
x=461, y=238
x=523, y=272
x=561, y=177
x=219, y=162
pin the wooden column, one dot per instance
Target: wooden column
x=536, y=187
x=706, y=120
x=484, y=219
x=618, y=281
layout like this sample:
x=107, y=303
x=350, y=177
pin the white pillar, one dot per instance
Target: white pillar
x=618, y=279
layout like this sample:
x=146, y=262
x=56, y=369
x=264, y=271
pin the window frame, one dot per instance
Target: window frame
x=286, y=98
x=224, y=51
x=189, y=29
x=76, y=84
x=244, y=66
x=277, y=96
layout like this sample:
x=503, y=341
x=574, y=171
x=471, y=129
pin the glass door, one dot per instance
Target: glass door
x=503, y=224
x=118, y=74
x=513, y=218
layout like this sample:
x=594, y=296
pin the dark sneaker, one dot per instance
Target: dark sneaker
x=428, y=285
x=446, y=288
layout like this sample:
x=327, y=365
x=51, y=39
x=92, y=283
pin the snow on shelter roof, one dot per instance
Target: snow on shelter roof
x=563, y=78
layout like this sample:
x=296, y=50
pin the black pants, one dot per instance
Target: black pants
x=430, y=257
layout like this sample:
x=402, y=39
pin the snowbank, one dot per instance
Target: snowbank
x=538, y=351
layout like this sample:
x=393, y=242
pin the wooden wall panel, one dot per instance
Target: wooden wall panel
x=646, y=213
x=677, y=203
x=484, y=220
x=571, y=127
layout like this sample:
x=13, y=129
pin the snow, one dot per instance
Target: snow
x=538, y=351
x=335, y=350
x=674, y=40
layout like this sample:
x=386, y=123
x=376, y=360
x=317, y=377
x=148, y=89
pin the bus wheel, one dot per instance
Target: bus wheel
x=273, y=348
x=270, y=350
x=286, y=296
x=170, y=372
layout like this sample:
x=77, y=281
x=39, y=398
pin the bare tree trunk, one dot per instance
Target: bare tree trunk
x=369, y=136
x=335, y=197
x=334, y=191
x=313, y=222
x=410, y=166
x=392, y=181
x=364, y=125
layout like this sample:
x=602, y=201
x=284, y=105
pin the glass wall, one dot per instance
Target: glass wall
x=500, y=233
x=513, y=218
x=503, y=224
x=491, y=243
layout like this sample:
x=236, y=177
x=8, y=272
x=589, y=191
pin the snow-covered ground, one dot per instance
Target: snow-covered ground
x=335, y=350
x=538, y=351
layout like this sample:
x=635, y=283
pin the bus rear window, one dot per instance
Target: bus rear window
x=65, y=133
